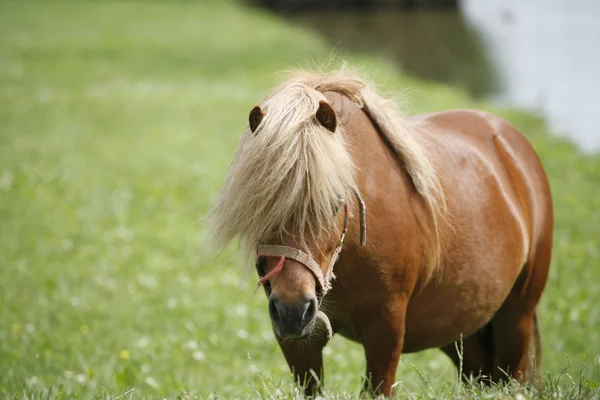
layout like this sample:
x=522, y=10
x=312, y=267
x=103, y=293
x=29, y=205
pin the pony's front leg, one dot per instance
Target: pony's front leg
x=383, y=343
x=306, y=363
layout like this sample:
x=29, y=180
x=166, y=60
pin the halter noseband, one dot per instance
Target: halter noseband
x=283, y=252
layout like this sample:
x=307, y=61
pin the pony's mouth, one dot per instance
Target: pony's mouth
x=324, y=329
x=286, y=334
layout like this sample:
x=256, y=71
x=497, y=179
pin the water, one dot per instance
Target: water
x=542, y=55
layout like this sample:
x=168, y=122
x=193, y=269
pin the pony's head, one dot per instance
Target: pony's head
x=286, y=197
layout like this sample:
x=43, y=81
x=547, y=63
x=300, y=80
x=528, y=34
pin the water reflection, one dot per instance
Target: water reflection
x=435, y=45
x=548, y=52
x=537, y=54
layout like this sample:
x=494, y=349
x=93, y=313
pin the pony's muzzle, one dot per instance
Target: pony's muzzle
x=293, y=321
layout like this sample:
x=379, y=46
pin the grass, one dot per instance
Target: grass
x=117, y=123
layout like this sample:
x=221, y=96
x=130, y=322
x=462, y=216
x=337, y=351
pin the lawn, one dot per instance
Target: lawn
x=117, y=123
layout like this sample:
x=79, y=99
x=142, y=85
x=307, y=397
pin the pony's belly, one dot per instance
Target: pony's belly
x=442, y=313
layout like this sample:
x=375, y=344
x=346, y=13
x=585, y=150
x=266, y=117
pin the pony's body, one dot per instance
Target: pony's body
x=470, y=265
x=486, y=238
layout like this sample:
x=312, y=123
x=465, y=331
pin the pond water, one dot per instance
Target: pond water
x=542, y=55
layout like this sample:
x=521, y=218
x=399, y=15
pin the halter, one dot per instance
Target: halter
x=323, y=281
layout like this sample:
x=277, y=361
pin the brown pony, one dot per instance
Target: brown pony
x=441, y=226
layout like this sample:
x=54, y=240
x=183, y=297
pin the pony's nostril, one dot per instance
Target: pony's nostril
x=310, y=311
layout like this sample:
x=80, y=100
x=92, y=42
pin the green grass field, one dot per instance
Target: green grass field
x=117, y=123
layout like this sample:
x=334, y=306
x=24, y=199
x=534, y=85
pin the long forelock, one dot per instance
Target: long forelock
x=287, y=176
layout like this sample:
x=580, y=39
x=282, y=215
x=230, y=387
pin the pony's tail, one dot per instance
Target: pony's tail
x=536, y=362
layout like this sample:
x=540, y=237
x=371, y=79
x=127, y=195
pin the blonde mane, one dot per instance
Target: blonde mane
x=289, y=175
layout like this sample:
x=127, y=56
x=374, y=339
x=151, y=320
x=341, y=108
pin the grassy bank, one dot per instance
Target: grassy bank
x=117, y=122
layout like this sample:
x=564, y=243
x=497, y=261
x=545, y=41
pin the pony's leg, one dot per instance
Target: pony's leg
x=517, y=340
x=535, y=354
x=383, y=339
x=306, y=363
x=477, y=358
x=515, y=323
x=512, y=336
x=382, y=361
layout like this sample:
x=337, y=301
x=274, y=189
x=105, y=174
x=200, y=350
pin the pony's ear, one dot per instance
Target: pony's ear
x=255, y=117
x=326, y=116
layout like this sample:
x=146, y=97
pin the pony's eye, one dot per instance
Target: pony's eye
x=261, y=266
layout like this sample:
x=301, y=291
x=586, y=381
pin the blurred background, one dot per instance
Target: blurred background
x=539, y=55
x=118, y=120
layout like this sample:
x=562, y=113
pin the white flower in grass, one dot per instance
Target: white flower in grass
x=153, y=383
x=6, y=181
x=142, y=342
x=198, y=355
x=67, y=244
x=519, y=396
x=190, y=345
x=127, y=251
x=75, y=302
x=123, y=233
x=213, y=339
x=267, y=335
x=229, y=279
x=241, y=310
x=185, y=280
x=558, y=345
x=148, y=281
x=81, y=379
x=45, y=95
x=574, y=315
x=558, y=319
x=172, y=303
x=242, y=334
x=33, y=381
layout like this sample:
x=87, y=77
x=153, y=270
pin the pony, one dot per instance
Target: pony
x=418, y=232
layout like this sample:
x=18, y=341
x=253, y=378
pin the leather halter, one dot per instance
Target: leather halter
x=323, y=280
